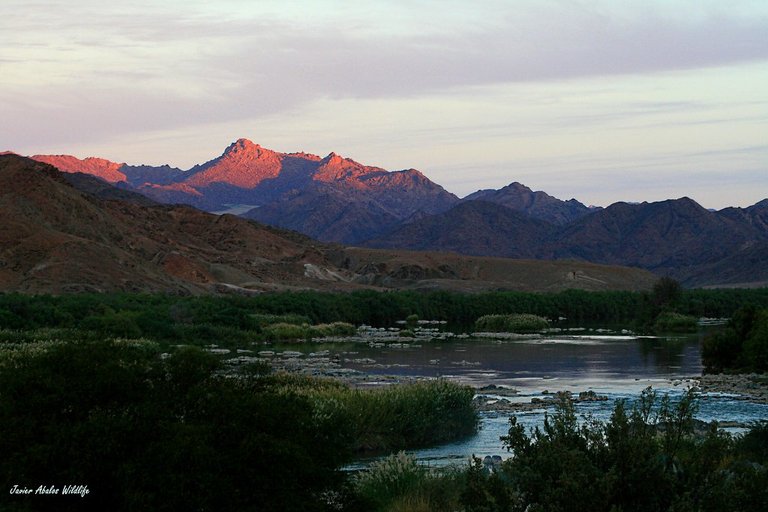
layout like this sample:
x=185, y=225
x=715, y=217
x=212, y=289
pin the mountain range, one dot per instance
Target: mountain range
x=335, y=199
x=72, y=232
x=313, y=195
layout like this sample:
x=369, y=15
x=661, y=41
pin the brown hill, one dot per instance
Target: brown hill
x=336, y=199
x=243, y=164
x=448, y=271
x=99, y=167
x=246, y=173
x=56, y=238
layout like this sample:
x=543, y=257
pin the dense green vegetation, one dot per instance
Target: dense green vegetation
x=399, y=484
x=669, y=322
x=648, y=458
x=516, y=322
x=109, y=391
x=392, y=417
x=235, y=320
x=742, y=345
x=147, y=431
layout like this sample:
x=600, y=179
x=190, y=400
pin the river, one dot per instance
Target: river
x=614, y=365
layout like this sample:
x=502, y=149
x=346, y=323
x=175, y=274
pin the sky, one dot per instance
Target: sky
x=598, y=100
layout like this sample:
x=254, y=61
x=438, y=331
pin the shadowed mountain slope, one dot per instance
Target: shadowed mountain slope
x=670, y=237
x=540, y=205
x=475, y=228
x=336, y=199
x=678, y=238
x=68, y=233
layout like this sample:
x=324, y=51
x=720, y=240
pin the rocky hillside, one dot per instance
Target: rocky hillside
x=476, y=228
x=335, y=199
x=678, y=238
x=539, y=205
x=58, y=238
x=282, y=189
x=64, y=233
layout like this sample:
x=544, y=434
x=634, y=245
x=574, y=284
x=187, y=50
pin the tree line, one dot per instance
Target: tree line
x=202, y=318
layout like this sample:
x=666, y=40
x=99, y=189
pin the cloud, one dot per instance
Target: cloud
x=300, y=64
x=412, y=78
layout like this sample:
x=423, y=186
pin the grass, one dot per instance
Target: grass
x=286, y=331
x=397, y=483
x=394, y=417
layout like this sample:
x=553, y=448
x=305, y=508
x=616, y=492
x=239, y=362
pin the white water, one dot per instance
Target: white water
x=618, y=367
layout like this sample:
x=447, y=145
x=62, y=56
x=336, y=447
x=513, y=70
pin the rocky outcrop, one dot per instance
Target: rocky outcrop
x=539, y=205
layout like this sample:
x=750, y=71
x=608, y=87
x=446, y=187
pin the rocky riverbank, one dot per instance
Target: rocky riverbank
x=493, y=398
x=746, y=386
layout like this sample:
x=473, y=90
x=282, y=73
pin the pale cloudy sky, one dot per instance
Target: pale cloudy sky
x=599, y=100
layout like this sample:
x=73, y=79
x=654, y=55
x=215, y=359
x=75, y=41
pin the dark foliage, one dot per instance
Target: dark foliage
x=741, y=345
x=146, y=433
x=648, y=459
x=242, y=319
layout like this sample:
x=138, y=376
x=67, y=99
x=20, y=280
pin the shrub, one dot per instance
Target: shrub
x=333, y=329
x=283, y=331
x=648, y=458
x=518, y=322
x=261, y=320
x=388, y=479
x=675, y=322
x=395, y=417
x=152, y=433
x=742, y=344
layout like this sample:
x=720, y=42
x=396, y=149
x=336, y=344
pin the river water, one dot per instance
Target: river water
x=615, y=365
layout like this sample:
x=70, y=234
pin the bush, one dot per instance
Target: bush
x=648, y=458
x=333, y=329
x=151, y=433
x=720, y=350
x=741, y=345
x=519, y=323
x=264, y=320
x=675, y=322
x=388, y=479
x=395, y=417
x=282, y=331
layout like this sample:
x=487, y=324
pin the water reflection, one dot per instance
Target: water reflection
x=668, y=353
x=612, y=357
x=617, y=366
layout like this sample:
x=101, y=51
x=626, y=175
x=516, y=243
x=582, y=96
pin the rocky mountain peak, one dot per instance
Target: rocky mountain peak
x=244, y=149
x=337, y=168
x=332, y=160
x=243, y=164
x=242, y=144
x=517, y=186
